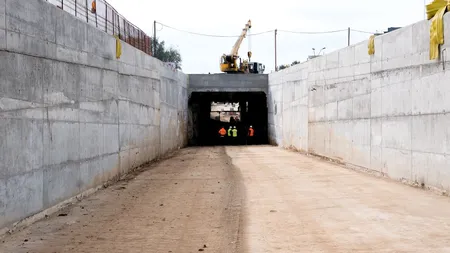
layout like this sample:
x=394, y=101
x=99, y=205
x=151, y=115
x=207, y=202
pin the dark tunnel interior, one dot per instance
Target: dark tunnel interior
x=210, y=111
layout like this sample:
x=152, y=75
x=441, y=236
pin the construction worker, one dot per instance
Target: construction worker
x=229, y=131
x=235, y=134
x=94, y=6
x=222, y=132
x=251, y=133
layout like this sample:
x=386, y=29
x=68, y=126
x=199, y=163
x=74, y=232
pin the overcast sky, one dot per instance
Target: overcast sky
x=202, y=54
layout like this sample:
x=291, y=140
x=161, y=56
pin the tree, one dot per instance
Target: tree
x=166, y=54
x=295, y=63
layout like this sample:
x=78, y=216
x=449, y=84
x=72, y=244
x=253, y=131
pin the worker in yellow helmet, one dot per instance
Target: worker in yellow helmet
x=230, y=129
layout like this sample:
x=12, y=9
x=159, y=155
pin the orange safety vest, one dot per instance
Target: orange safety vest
x=94, y=6
x=251, y=132
x=222, y=132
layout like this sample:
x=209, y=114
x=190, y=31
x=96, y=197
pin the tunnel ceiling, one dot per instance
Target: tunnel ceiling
x=223, y=96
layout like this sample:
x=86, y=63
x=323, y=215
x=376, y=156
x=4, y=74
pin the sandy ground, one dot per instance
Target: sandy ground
x=245, y=199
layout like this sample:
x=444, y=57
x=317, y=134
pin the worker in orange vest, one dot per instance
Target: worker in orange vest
x=94, y=6
x=251, y=133
x=222, y=133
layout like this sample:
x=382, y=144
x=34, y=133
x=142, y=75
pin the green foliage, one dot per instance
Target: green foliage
x=285, y=66
x=167, y=54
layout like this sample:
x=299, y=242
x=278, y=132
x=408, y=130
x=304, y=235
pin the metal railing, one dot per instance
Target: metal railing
x=102, y=15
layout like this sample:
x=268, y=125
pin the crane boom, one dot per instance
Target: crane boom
x=232, y=63
x=238, y=43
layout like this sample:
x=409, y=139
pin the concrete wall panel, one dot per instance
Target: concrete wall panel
x=361, y=55
x=376, y=132
x=331, y=111
x=397, y=44
x=396, y=133
x=72, y=116
x=431, y=169
x=430, y=133
x=60, y=182
x=392, y=107
x=376, y=160
x=19, y=71
x=361, y=107
x=71, y=33
x=360, y=86
x=345, y=109
x=431, y=94
x=71, y=55
x=396, y=99
x=62, y=142
x=32, y=18
x=2, y=37
x=397, y=163
x=361, y=156
x=91, y=140
x=361, y=132
x=2, y=14
x=22, y=43
x=27, y=200
x=21, y=139
x=332, y=60
x=91, y=172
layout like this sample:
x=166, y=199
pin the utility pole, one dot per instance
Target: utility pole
x=276, y=66
x=154, y=38
x=349, y=36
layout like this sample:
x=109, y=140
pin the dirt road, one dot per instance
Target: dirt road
x=245, y=199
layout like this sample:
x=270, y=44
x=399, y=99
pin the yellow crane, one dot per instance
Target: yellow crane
x=229, y=63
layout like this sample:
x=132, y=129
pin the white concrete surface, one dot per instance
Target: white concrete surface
x=71, y=115
x=387, y=112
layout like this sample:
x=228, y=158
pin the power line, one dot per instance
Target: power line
x=211, y=35
x=360, y=31
x=324, y=32
x=255, y=34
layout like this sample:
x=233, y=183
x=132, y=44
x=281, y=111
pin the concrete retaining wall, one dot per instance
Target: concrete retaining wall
x=71, y=115
x=388, y=112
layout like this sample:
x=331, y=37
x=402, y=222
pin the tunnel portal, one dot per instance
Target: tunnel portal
x=210, y=111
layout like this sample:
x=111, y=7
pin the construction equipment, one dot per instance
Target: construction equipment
x=256, y=68
x=232, y=63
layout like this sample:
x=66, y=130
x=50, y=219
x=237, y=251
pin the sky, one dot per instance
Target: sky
x=201, y=54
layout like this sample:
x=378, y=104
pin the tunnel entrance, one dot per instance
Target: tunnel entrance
x=210, y=111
